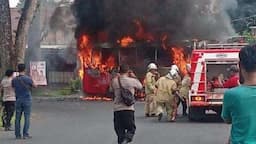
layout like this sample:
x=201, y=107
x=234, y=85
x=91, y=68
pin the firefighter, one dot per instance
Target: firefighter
x=165, y=99
x=150, y=81
x=184, y=90
x=177, y=76
x=177, y=79
x=233, y=80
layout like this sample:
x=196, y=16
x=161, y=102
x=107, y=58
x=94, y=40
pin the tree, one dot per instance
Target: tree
x=251, y=39
x=6, y=43
x=11, y=55
x=244, y=15
x=21, y=4
x=28, y=11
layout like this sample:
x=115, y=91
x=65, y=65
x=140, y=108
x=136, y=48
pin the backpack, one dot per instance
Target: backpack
x=126, y=95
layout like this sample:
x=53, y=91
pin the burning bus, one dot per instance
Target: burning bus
x=110, y=33
x=98, y=61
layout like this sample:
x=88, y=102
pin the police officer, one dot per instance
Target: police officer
x=150, y=81
x=165, y=99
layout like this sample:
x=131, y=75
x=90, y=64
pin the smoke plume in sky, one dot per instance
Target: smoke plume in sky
x=181, y=19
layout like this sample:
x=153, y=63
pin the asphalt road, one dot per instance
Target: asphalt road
x=91, y=123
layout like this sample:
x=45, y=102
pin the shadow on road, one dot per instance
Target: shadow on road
x=183, y=119
x=206, y=119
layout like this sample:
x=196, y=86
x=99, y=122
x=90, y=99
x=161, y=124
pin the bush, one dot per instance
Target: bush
x=249, y=37
x=75, y=85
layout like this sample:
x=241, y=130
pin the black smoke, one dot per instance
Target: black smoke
x=181, y=19
x=90, y=16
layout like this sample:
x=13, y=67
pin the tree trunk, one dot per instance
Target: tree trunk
x=34, y=38
x=23, y=27
x=6, y=44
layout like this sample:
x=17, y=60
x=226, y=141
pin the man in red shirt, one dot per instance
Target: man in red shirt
x=233, y=80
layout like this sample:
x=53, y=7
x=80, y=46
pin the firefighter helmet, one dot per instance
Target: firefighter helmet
x=152, y=66
x=172, y=74
x=175, y=67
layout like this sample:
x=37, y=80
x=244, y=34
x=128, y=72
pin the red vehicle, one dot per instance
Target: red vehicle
x=209, y=64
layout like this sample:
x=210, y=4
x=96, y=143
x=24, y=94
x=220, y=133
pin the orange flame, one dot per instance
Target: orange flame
x=141, y=34
x=85, y=53
x=111, y=61
x=90, y=58
x=178, y=55
x=126, y=41
x=164, y=39
x=81, y=70
x=180, y=59
x=95, y=98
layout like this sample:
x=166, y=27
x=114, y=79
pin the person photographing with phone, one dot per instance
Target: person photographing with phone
x=124, y=121
x=22, y=85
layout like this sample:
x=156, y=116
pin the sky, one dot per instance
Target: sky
x=13, y=3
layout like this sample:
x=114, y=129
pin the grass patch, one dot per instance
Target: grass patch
x=58, y=90
x=50, y=91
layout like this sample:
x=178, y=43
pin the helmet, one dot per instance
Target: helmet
x=175, y=67
x=152, y=66
x=173, y=72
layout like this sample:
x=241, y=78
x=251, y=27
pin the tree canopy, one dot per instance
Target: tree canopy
x=244, y=15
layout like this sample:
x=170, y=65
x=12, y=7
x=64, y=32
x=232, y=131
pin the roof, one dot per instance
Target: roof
x=215, y=50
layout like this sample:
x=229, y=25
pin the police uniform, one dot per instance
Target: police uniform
x=166, y=86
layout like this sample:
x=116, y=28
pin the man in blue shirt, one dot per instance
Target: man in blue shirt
x=239, y=104
x=22, y=85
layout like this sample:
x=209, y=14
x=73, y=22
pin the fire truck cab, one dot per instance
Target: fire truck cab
x=209, y=63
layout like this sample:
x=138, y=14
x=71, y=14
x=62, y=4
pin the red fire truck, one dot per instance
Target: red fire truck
x=208, y=62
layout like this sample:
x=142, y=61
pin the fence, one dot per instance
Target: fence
x=60, y=77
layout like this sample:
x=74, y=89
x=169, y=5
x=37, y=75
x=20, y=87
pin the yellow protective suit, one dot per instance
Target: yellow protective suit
x=150, y=103
x=165, y=98
x=185, y=87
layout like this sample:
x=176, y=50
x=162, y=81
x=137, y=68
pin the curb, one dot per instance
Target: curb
x=70, y=99
x=64, y=98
